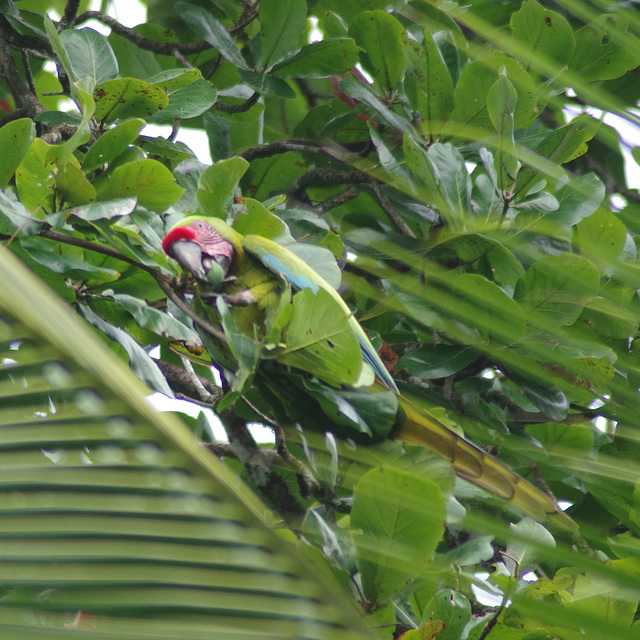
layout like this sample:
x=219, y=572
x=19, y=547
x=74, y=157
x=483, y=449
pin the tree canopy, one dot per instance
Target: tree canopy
x=452, y=169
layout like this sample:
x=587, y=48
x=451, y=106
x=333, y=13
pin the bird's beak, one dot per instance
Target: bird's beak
x=189, y=256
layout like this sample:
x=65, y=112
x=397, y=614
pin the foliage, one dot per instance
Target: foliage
x=481, y=249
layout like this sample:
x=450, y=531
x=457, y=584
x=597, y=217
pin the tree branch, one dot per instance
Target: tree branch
x=237, y=108
x=182, y=383
x=166, y=48
x=259, y=466
x=24, y=98
x=70, y=13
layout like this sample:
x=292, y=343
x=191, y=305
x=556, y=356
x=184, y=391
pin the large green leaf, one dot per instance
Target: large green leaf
x=124, y=98
x=90, y=55
x=281, y=22
x=397, y=523
x=112, y=510
x=148, y=180
x=381, y=37
x=555, y=289
x=15, y=139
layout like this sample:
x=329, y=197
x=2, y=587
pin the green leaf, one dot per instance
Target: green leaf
x=112, y=143
x=562, y=439
x=58, y=260
x=470, y=117
x=501, y=105
x=207, y=27
x=159, y=322
x=267, y=84
x=147, y=180
x=258, y=220
x=612, y=318
x=438, y=361
x=555, y=289
x=605, y=49
x=126, y=512
x=578, y=199
x=423, y=173
x=90, y=55
x=281, y=24
x=245, y=350
x=453, y=610
x=564, y=144
x=601, y=237
x=82, y=95
x=454, y=182
x=173, y=152
x=318, y=339
x=126, y=98
x=356, y=411
x=17, y=214
x=141, y=363
x=523, y=551
x=15, y=141
x=485, y=306
x=218, y=184
x=320, y=59
x=60, y=51
x=95, y=211
x=171, y=80
x=382, y=39
x=56, y=118
x=545, y=34
x=72, y=185
x=428, y=84
x=35, y=179
x=188, y=102
x=397, y=521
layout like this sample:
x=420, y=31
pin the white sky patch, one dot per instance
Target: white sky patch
x=629, y=135
x=315, y=35
x=195, y=139
x=489, y=596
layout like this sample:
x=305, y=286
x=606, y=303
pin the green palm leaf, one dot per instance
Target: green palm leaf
x=113, y=522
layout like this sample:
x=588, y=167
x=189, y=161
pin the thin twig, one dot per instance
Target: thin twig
x=390, y=210
x=166, y=48
x=237, y=108
x=204, y=394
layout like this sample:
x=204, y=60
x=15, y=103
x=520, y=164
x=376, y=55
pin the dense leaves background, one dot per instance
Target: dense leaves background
x=453, y=161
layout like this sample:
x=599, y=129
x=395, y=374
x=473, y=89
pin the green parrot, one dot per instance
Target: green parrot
x=279, y=318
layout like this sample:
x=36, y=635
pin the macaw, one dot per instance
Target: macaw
x=245, y=283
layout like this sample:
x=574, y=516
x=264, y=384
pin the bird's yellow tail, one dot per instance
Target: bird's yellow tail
x=415, y=426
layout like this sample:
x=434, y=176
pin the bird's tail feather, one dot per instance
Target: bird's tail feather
x=415, y=426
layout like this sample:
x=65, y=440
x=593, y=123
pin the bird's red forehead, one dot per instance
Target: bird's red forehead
x=179, y=233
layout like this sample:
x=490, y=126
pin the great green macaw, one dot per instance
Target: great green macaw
x=245, y=286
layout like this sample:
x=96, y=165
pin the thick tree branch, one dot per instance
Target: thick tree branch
x=261, y=470
x=21, y=41
x=70, y=13
x=26, y=101
x=225, y=450
x=182, y=383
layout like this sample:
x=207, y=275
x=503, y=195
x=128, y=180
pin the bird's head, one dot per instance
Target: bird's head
x=205, y=247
